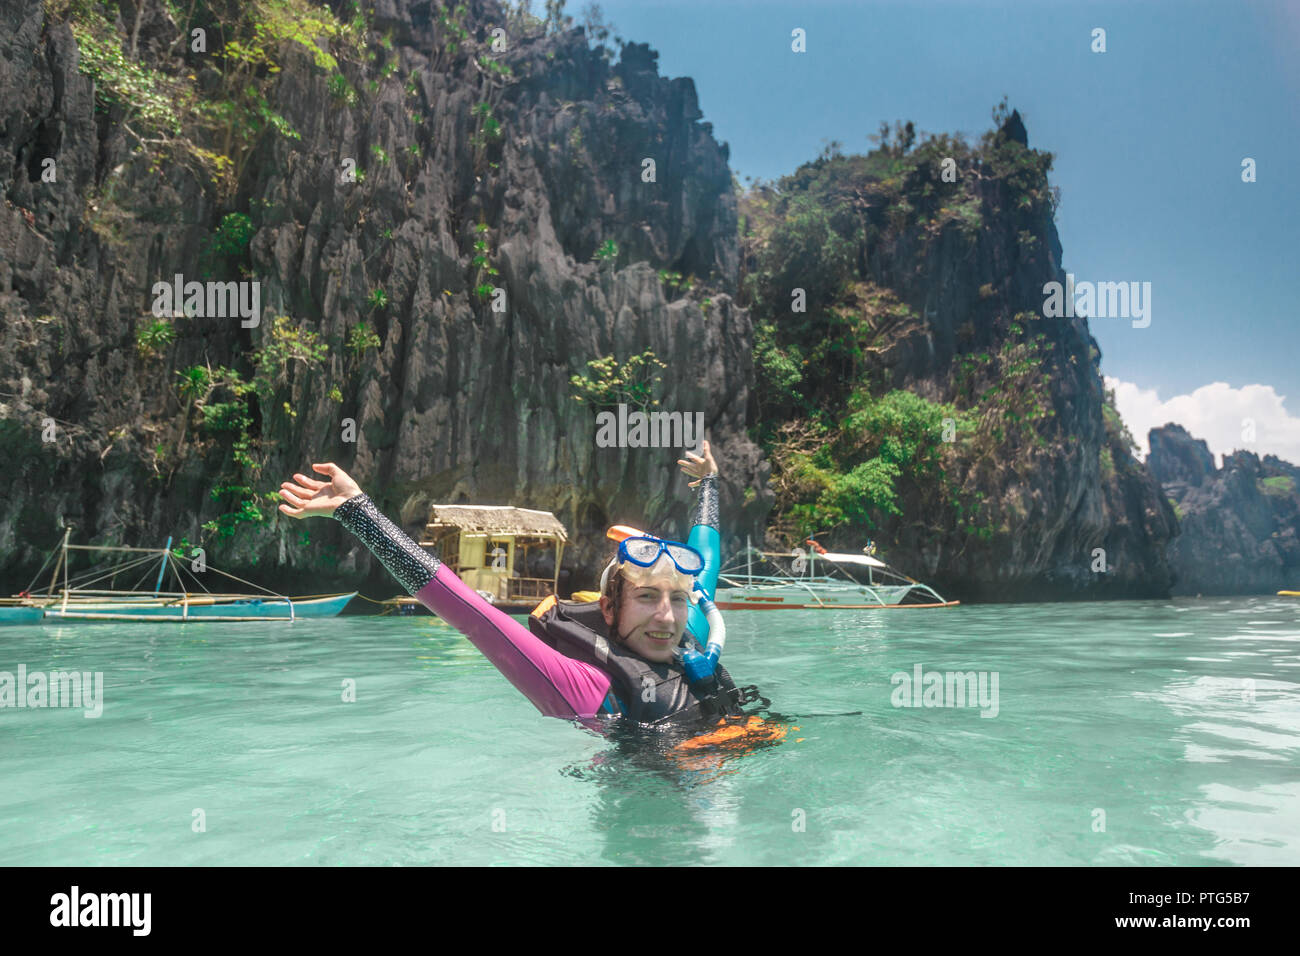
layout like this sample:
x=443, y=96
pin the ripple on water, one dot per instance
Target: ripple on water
x=1172, y=722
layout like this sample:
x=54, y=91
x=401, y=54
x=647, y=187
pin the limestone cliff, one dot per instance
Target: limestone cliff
x=456, y=401
x=929, y=284
x=455, y=209
x=1239, y=525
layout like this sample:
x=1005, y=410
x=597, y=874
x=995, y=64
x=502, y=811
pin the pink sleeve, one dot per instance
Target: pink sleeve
x=557, y=685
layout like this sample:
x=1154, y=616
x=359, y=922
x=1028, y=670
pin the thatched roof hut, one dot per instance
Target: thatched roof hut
x=491, y=519
x=489, y=546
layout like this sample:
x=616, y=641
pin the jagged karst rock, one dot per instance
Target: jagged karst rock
x=460, y=402
x=1177, y=458
x=1014, y=129
x=1052, y=507
x=1239, y=532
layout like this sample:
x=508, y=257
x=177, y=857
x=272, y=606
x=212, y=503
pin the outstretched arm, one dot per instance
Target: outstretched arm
x=705, y=535
x=557, y=685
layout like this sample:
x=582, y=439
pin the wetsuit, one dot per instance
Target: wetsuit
x=558, y=686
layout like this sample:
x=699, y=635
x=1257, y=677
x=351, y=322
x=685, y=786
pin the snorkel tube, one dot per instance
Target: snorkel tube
x=704, y=618
x=700, y=667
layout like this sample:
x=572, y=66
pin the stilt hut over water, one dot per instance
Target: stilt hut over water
x=509, y=555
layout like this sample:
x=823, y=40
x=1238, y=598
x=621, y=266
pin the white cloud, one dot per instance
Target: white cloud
x=1218, y=413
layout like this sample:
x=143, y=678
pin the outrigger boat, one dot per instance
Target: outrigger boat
x=77, y=599
x=20, y=610
x=819, y=579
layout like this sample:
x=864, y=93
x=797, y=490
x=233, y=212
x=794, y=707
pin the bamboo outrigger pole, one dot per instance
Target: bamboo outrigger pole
x=66, y=532
x=63, y=557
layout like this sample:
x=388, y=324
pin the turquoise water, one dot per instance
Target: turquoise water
x=1179, y=721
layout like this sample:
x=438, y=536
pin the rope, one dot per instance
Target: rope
x=98, y=572
x=304, y=597
x=249, y=583
x=38, y=573
x=363, y=597
x=177, y=568
x=95, y=574
x=136, y=586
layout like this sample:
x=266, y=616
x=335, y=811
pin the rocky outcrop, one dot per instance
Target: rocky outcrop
x=1239, y=525
x=1178, y=459
x=459, y=402
x=1062, y=509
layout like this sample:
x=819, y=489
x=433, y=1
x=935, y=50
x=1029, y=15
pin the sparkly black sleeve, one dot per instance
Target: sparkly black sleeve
x=706, y=505
x=407, y=561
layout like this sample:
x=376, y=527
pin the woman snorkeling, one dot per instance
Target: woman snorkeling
x=629, y=655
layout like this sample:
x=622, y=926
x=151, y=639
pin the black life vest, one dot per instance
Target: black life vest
x=649, y=694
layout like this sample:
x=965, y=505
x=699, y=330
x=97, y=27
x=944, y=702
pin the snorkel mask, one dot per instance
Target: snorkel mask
x=645, y=551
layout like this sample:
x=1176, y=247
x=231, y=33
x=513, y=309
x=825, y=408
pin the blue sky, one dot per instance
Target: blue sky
x=1148, y=138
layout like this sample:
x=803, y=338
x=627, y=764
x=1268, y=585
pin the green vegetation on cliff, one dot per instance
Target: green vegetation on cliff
x=612, y=383
x=1277, y=486
x=844, y=440
x=201, y=103
x=240, y=42
x=851, y=473
x=188, y=91
x=221, y=405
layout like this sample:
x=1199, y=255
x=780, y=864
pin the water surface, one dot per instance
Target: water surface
x=1147, y=733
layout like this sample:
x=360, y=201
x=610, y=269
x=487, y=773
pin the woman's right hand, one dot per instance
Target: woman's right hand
x=698, y=466
x=310, y=497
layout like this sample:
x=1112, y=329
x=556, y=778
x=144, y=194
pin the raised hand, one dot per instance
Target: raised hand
x=311, y=497
x=699, y=465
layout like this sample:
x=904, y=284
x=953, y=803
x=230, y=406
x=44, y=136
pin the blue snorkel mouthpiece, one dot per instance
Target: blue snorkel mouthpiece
x=699, y=667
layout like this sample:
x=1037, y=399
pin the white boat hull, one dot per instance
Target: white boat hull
x=792, y=597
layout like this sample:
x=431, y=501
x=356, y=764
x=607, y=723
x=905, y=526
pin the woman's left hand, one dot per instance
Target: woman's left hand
x=699, y=465
x=311, y=497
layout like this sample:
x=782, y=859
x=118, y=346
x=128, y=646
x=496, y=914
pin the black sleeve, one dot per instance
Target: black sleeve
x=706, y=505
x=405, y=560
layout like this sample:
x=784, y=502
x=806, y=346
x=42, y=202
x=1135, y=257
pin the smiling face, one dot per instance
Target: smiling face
x=652, y=610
